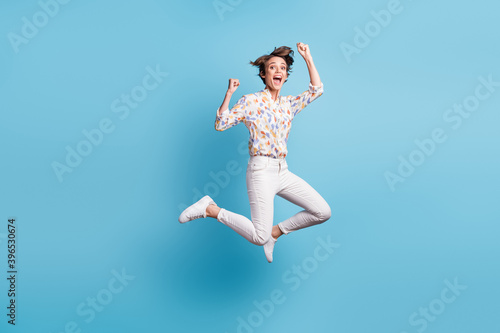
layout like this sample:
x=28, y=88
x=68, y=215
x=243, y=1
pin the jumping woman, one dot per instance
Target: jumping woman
x=268, y=117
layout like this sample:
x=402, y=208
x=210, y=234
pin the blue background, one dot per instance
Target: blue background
x=118, y=209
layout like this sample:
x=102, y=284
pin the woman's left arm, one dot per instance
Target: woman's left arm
x=315, y=90
x=305, y=52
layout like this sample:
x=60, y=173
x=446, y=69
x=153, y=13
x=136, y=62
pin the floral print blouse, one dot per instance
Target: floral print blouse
x=268, y=121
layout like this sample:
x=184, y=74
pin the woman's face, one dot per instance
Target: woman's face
x=276, y=74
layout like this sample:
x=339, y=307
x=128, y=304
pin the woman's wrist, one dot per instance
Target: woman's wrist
x=308, y=59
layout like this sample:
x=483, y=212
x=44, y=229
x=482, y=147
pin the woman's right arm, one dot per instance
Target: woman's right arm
x=228, y=118
x=233, y=85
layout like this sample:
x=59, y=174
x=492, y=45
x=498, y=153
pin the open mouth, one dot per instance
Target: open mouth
x=277, y=80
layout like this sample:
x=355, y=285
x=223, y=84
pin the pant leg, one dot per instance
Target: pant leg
x=262, y=185
x=298, y=191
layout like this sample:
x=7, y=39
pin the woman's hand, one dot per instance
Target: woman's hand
x=304, y=51
x=233, y=85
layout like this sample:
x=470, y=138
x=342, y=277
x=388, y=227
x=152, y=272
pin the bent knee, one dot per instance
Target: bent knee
x=323, y=212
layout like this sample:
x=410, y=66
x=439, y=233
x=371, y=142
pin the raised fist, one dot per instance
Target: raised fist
x=233, y=85
x=304, y=50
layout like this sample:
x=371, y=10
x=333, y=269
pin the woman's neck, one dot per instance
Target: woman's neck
x=274, y=92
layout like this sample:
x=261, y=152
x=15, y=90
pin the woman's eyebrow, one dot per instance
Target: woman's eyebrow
x=275, y=62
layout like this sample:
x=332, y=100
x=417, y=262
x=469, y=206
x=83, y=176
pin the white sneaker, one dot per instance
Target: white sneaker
x=269, y=248
x=196, y=210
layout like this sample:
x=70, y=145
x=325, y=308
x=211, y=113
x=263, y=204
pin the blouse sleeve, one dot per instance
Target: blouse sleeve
x=301, y=101
x=229, y=118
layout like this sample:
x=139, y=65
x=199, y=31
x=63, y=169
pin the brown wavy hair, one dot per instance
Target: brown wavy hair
x=284, y=52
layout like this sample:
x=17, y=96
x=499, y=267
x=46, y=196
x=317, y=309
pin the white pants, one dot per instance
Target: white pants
x=266, y=177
